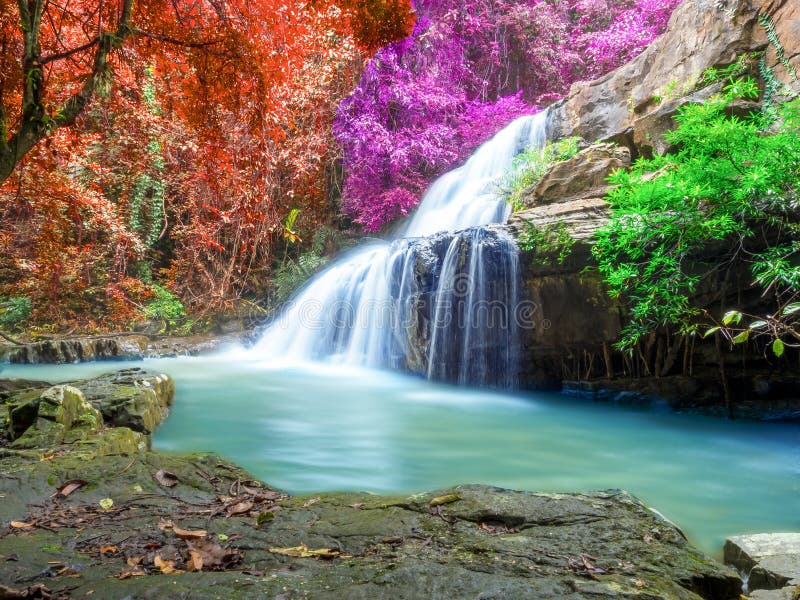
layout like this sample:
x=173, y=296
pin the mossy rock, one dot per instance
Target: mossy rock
x=132, y=398
x=42, y=419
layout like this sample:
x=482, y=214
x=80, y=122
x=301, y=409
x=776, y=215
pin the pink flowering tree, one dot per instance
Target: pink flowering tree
x=470, y=67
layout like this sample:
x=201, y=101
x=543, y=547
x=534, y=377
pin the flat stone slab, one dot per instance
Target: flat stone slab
x=771, y=559
x=787, y=593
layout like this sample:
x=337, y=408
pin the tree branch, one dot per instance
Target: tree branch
x=67, y=53
x=35, y=125
x=174, y=41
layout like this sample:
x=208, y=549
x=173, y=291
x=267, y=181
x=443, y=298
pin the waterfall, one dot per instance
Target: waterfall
x=438, y=299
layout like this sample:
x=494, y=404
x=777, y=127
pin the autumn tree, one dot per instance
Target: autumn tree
x=180, y=175
x=57, y=57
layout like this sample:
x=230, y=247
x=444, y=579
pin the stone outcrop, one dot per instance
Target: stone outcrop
x=79, y=349
x=573, y=310
x=771, y=561
x=634, y=104
x=625, y=114
x=132, y=398
x=51, y=415
x=101, y=514
x=561, y=186
x=111, y=347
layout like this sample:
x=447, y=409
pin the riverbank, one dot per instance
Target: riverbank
x=67, y=349
x=88, y=507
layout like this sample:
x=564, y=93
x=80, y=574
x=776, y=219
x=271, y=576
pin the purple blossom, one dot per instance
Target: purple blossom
x=469, y=68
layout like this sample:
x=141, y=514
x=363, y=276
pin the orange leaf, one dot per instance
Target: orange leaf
x=188, y=534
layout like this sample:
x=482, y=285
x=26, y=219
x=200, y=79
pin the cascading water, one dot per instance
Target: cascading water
x=439, y=299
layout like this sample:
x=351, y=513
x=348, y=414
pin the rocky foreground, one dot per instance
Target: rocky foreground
x=89, y=510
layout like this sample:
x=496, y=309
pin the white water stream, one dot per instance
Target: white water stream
x=439, y=304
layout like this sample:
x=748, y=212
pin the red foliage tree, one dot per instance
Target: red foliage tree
x=218, y=123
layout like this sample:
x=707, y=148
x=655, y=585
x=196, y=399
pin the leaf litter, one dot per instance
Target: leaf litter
x=171, y=549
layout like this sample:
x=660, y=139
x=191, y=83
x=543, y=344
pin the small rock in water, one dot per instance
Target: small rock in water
x=771, y=560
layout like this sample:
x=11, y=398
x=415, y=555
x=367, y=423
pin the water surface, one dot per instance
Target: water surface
x=312, y=428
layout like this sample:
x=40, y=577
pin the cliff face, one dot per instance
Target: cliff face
x=633, y=107
x=634, y=104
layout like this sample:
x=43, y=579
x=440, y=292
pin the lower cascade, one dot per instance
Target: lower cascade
x=441, y=299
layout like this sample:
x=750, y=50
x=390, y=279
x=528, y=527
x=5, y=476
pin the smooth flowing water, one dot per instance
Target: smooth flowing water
x=441, y=306
x=312, y=428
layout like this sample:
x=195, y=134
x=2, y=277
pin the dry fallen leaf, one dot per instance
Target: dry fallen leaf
x=188, y=534
x=303, y=551
x=129, y=573
x=264, y=495
x=166, y=478
x=195, y=561
x=108, y=550
x=446, y=499
x=240, y=508
x=20, y=525
x=134, y=561
x=312, y=501
x=35, y=591
x=167, y=567
x=207, y=554
x=392, y=541
x=66, y=488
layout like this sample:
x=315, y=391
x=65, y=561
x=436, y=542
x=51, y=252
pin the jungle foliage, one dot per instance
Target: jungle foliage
x=726, y=202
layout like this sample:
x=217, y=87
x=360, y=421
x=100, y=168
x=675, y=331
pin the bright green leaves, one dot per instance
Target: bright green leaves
x=728, y=190
x=288, y=227
x=531, y=165
x=548, y=243
x=733, y=317
x=777, y=347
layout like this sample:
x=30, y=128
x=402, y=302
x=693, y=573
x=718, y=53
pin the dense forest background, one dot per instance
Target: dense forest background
x=163, y=159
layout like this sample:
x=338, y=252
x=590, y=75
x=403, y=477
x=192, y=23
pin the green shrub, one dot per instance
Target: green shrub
x=730, y=193
x=531, y=165
x=166, y=307
x=14, y=311
x=551, y=242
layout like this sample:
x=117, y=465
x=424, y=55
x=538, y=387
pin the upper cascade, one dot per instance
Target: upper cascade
x=468, y=196
x=438, y=299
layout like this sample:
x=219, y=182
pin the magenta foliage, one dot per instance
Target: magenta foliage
x=629, y=34
x=469, y=68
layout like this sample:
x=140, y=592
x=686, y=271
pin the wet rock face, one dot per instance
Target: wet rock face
x=460, y=308
x=77, y=350
x=771, y=561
